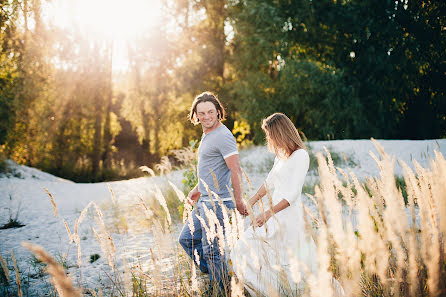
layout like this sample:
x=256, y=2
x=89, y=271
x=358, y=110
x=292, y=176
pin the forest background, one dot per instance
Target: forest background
x=339, y=69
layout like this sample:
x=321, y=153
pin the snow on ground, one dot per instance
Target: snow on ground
x=357, y=151
x=26, y=198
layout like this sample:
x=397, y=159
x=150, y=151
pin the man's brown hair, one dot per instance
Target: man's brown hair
x=206, y=97
x=283, y=138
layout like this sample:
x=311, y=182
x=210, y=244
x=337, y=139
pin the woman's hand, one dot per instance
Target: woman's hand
x=261, y=219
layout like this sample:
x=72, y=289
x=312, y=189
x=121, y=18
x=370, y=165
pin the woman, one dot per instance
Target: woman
x=275, y=253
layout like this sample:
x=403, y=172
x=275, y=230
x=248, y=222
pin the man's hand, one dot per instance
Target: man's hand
x=261, y=219
x=193, y=196
x=241, y=207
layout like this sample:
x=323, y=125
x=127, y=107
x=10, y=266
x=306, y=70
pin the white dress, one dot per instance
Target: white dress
x=278, y=255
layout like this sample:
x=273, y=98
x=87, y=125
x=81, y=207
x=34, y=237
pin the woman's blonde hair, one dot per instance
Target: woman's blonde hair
x=281, y=135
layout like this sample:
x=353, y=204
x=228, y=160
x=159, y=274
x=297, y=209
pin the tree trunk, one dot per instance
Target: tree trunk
x=96, y=154
x=107, y=138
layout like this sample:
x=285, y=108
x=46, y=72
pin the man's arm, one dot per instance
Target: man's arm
x=233, y=163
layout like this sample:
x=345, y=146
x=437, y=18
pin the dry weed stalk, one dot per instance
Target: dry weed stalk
x=214, y=178
x=162, y=201
x=127, y=277
x=247, y=179
x=405, y=238
x=185, y=155
x=187, y=203
x=53, y=203
x=148, y=170
x=164, y=166
x=156, y=272
x=194, y=280
x=62, y=283
x=104, y=238
x=5, y=268
x=70, y=236
x=112, y=194
x=147, y=211
x=17, y=275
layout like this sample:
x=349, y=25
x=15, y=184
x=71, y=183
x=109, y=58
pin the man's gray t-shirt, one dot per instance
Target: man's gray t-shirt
x=214, y=148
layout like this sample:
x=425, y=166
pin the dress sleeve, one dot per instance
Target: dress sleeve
x=292, y=176
x=227, y=145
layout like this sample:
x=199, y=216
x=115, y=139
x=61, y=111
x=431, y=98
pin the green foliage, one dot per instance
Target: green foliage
x=38, y=266
x=190, y=179
x=401, y=185
x=4, y=168
x=94, y=258
x=341, y=69
x=264, y=166
x=174, y=205
x=12, y=223
x=338, y=69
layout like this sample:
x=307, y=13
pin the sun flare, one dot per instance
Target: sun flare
x=108, y=19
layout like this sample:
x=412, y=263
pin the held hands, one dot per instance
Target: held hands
x=193, y=196
x=261, y=219
x=241, y=207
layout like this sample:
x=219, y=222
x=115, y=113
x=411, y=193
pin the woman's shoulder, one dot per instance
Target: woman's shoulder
x=299, y=154
x=298, y=157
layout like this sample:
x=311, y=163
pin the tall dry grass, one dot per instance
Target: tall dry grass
x=62, y=283
x=369, y=242
x=379, y=246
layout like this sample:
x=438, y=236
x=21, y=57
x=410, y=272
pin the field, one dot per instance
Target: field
x=378, y=222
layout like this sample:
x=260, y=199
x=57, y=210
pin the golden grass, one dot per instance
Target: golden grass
x=388, y=245
x=63, y=284
x=53, y=203
x=5, y=268
x=369, y=242
x=17, y=275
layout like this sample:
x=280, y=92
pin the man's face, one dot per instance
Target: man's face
x=207, y=114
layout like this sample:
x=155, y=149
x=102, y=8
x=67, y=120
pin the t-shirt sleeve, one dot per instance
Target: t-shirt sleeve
x=289, y=187
x=227, y=145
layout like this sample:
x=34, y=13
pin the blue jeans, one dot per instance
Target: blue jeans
x=211, y=261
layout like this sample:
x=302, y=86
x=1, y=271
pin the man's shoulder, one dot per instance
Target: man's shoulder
x=223, y=130
x=224, y=136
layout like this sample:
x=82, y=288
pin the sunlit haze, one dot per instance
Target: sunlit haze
x=119, y=21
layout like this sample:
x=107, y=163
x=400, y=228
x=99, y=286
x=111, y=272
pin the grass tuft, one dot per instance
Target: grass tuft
x=12, y=223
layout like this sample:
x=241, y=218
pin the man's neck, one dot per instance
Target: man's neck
x=217, y=124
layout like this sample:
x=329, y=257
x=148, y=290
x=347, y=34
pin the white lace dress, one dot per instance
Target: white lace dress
x=281, y=244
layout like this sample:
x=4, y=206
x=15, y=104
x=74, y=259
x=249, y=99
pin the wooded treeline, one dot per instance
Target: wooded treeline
x=338, y=69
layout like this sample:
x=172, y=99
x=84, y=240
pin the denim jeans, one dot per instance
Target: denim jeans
x=211, y=260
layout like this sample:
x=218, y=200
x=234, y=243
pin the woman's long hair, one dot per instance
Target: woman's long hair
x=282, y=137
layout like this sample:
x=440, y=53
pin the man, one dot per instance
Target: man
x=218, y=167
